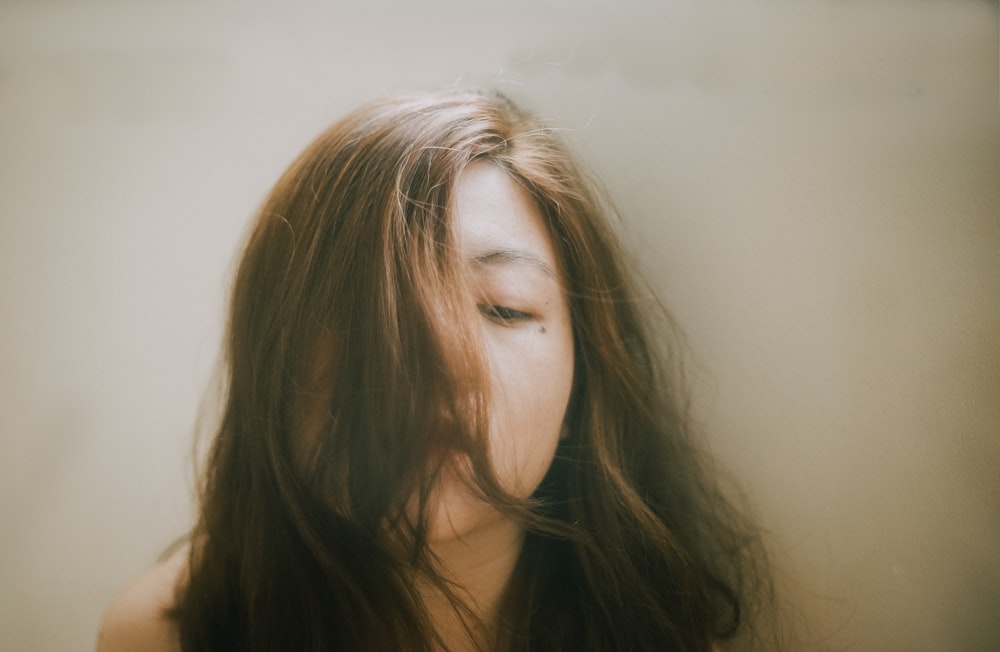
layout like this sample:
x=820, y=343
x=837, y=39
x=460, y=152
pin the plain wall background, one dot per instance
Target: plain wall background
x=813, y=186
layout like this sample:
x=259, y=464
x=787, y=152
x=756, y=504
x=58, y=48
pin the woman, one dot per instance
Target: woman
x=447, y=422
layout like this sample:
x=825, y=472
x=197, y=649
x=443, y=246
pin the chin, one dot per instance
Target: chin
x=456, y=513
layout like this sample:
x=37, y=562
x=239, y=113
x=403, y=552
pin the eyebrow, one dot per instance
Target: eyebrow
x=503, y=257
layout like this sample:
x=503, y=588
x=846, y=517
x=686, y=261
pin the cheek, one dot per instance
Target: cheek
x=532, y=374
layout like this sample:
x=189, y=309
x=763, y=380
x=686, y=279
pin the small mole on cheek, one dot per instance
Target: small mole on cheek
x=541, y=329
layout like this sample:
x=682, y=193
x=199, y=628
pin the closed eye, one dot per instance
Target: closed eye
x=503, y=314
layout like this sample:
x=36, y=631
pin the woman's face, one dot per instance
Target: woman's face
x=527, y=335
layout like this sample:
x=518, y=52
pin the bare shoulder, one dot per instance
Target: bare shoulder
x=136, y=619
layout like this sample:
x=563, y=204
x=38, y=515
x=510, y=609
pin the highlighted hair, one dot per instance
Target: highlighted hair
x=347, y=356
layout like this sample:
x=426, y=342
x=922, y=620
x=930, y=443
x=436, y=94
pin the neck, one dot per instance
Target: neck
x=479, y=566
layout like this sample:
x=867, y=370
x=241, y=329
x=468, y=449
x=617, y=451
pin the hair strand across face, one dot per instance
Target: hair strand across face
x=351, y=359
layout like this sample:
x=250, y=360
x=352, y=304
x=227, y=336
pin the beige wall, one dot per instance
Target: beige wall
x=814, y=187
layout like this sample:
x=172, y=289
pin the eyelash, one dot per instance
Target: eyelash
x=503, y=314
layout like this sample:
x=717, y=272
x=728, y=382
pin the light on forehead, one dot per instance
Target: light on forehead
x=504, y=257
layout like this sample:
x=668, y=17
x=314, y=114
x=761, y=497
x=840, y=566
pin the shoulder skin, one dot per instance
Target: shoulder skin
x=136, y=618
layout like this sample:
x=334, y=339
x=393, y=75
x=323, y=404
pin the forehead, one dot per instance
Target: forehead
x=497, y=221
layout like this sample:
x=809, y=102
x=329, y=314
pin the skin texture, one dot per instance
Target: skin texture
x=528, y=340
x=527, y=335
x=135, y=619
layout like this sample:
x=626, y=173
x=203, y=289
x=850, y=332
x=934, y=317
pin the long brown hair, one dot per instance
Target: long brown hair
x=347, y=348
